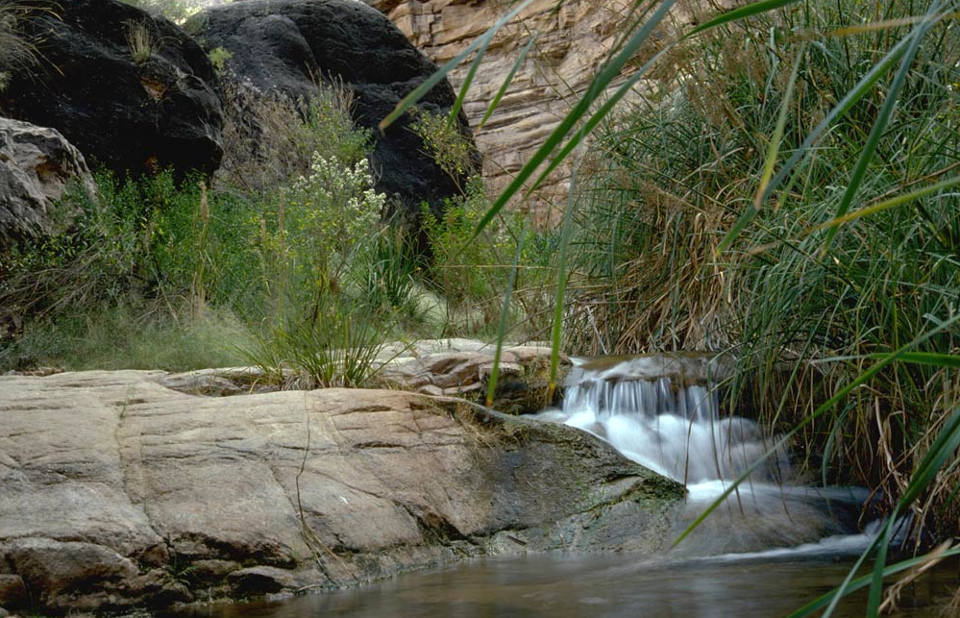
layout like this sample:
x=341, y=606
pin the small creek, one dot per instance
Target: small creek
x=771, y=548
x=581, y=586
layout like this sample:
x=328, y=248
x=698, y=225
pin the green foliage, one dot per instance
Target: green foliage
x=337, y=346
x=270, y=140
x=391, y=280
x=128, y=337
x=151, y=263
x=443, y=141
x=470, y=274
x=218, y=58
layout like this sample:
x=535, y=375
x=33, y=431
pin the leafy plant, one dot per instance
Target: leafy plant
x=180, y=259
x=337, y=346
x=452, y=152
x=218, y=58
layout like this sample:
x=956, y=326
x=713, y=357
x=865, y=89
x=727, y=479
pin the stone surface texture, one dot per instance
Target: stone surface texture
x=285, y=46
x=120, y=492
x=36, y=165
x=130, y=90
x=573, y=38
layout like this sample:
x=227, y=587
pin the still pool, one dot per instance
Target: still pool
x=577, y=586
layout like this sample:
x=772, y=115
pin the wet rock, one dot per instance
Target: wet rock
x=324, y=488
x=36, y=166
x=212, y=572
x=263, y=580
x=286, y=45
x=683, y=369
x=130, y=90
x=58, y=572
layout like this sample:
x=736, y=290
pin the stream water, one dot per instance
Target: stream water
x=583, y=586
x=773, y=546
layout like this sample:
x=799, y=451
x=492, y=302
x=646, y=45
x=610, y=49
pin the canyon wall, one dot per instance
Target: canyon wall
x=573, y=39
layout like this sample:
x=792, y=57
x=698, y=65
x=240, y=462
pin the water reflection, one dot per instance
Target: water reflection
x=600, y=586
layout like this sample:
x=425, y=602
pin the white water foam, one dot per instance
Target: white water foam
x=677, y=431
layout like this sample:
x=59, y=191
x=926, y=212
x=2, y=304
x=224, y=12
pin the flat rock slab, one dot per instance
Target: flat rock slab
x=118, y=491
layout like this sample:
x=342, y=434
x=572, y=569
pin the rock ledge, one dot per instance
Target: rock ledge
x=120, y=492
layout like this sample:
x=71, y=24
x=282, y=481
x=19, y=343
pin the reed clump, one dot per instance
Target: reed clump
x=806, y=303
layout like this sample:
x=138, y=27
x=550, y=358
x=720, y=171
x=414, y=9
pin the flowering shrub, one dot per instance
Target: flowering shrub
x=335, y=206
x=320, y=234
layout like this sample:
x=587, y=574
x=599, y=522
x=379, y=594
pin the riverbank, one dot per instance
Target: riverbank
x=120, y=492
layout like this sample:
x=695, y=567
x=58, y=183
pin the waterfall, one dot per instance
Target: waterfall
x=661, y=412
x=668, y=423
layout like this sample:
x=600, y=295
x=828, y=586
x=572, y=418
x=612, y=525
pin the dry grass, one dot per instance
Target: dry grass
x=140, y=40
x=269, y=139
x=18, y=50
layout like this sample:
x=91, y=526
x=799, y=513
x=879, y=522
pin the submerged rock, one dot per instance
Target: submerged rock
x=119, y=492
x=130, y=90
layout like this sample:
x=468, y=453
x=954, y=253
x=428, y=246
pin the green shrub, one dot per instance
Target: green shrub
x=218, y=58
x=270, y=140
x=443, y=141
x=178, y=259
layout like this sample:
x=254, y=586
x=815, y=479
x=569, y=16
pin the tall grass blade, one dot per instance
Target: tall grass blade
x=943, y=447
x=507, y=81
x=504, y=317
x=596, y=119
x=893, y=95
x=864, y=581
x=607, y=74
x=934, y=359
x=555, y=331
x=863, y=87
x=467, y=82
x=893, y=202
x=740, y=13
x=777, y=139
x=601, y=81
x=626, y=87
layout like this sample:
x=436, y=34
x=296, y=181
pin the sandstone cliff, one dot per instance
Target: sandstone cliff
x=573, y=39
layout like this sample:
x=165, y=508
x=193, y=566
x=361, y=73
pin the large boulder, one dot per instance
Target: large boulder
x=36, y=166
x=119, y=491
x=284, y=46
x=130, y=90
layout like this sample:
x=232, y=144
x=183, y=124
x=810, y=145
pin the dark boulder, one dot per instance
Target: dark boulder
x=285, y=45
x=131, y=91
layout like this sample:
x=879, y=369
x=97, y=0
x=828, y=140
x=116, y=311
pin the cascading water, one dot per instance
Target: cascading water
x=660, y=412
x=676, y=433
